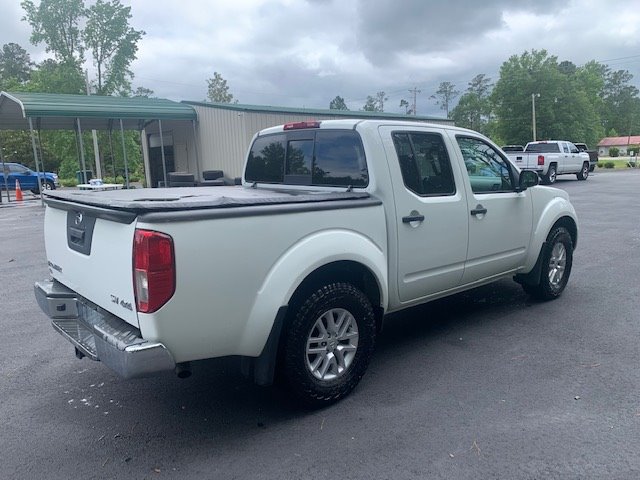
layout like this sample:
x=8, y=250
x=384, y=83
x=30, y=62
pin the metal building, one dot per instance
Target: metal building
x=224, y=132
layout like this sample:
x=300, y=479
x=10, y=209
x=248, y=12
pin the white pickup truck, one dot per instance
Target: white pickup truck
x=337, y=223
x=552, y=158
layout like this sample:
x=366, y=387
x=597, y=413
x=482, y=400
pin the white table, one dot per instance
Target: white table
x=99, y=188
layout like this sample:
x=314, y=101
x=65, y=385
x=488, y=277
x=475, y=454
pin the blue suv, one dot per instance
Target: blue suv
x=28, y=178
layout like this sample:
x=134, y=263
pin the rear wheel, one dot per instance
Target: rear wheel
x=46, y=185
x=550, y=177
x=584, y=173
x=556, y=261
x=328, y=344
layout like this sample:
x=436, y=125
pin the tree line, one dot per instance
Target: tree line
x=579, y=103
x=71, y=32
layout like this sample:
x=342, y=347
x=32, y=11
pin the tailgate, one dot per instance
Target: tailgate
x=89, y=250
x=522, y=160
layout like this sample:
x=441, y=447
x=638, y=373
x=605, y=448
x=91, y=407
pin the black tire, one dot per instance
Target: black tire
x=550, y=177
x=556, y=259
x=48, y=185
x=302, y=368
x=583, y=174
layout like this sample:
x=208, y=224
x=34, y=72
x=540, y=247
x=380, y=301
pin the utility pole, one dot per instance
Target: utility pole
x=415, y=92
x=533, y=113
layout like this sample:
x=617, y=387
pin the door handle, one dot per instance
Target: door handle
x=479, y=210
x=413, y=218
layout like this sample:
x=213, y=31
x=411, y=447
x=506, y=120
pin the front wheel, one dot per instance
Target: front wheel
x=557, y=259
x=584, y=173
x=550, y=177
x=328, y=344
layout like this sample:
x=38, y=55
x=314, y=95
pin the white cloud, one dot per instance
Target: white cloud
x=304, y=53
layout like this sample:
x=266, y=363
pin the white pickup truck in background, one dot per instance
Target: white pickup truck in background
x=552, y=158
x=337, y=223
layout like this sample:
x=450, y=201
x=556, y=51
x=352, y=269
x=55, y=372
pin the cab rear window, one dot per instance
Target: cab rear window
x=319, y=157
x=543, y=148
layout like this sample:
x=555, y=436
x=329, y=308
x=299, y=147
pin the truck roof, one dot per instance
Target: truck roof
x=351, y=124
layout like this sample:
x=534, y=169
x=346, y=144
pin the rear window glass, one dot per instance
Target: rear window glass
x=328, y=157
x=339, y=159
x=266, y=160
x=543, y=148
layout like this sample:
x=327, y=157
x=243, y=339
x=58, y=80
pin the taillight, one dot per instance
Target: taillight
x=301, y=125
x=154, y=270
x=540, y=159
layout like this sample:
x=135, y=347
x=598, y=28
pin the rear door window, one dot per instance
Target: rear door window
x=424, y=163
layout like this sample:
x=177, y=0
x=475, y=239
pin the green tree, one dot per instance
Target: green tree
x=405, y=104
x=52, y=76
x=16, y=147
x=142, y=92
x=218, y=90
x=563, y=107
x=15, y=66
x=375, y=103
x=113, y=44
x=444, y=95
x=56, y=23
x=621, y=103
x=338, y=104
x=474, y=108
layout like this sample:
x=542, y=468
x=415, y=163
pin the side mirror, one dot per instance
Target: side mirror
x=528, y=178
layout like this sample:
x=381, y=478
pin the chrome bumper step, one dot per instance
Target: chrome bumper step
x=99, y=334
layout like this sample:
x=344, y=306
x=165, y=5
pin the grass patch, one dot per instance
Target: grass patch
x=616, y=163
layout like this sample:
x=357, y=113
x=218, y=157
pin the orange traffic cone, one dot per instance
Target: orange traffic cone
x=18, y=191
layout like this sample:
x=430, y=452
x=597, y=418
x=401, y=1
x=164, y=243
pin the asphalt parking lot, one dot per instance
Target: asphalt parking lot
x=487, y=384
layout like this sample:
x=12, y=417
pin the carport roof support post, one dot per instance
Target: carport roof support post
x=197, y=153
x=83, y=165
x=164, y=163
x=6, y=183
x=35, y=156
x=124, y=154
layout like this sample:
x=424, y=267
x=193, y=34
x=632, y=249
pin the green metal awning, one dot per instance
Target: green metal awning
x=59, y=112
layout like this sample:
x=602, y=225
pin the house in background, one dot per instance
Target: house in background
x=622, y=143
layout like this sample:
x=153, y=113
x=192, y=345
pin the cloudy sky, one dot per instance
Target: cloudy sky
x=302, y=53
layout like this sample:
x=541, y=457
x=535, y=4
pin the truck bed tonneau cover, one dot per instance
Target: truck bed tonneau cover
x=150, y=200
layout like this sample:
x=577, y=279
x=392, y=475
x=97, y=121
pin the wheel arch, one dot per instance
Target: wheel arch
x=557, y=211
x=572, y=227
x=346, y=256
x=531, y=271
x=320, y=256
x=348, y=271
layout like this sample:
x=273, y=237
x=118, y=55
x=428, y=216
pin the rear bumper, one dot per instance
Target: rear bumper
x=99, y=335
